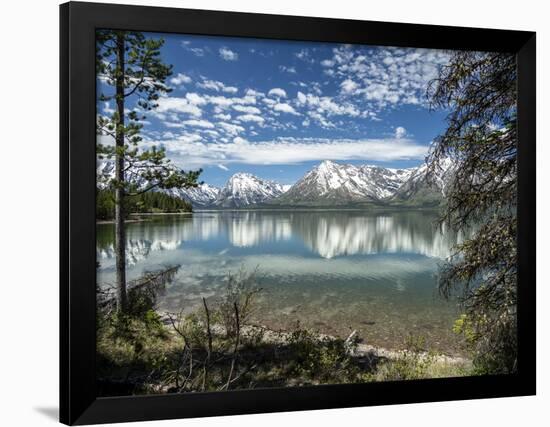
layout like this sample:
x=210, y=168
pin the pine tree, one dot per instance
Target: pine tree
x=479, y=89
x=131, y=64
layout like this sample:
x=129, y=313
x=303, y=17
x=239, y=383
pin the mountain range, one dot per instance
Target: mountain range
x=327, y=184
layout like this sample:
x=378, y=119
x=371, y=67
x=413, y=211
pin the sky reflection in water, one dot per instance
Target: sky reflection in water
x=332, y=271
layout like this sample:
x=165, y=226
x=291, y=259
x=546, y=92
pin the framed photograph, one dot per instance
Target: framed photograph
x=267, y=213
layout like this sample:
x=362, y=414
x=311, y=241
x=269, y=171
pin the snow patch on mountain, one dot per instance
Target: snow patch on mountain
x=201, y=196
x=244, y=189
x=334, y=182
x=329, y=183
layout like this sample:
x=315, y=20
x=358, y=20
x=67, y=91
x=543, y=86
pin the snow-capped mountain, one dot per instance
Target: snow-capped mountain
x=203, y=195
x=386, y=180
x=244, y=189
x=328, y=183
x=333, y=183
x=419, y=189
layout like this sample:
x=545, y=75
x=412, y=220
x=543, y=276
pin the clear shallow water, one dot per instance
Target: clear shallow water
x=334, y=271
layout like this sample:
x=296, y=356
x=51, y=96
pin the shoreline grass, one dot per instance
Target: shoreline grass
x=218, y=348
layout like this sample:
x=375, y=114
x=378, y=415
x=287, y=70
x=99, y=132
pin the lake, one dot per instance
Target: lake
x=333, y=271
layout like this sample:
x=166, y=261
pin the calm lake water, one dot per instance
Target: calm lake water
x=334, y=271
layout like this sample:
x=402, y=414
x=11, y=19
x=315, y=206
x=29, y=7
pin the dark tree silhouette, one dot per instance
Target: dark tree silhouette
x=479, y=89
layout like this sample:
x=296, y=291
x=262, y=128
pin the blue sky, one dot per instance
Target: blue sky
x=277, y=108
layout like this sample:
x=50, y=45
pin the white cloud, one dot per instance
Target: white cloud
x=277, y=91
x=195, y=98
x=304, y=55
x=199, y=123
x=320, y=119
x=178, y=105
x=348, y=86
x=400, y=132
x=174, y=124
x=227, y=54
x=197, y=51
x=326, y=105
x=251, y=118
x=107, y=108
x=254, y=93
x=217, y=86
x=294, y=151
x=186, y=138
x=231, y=128
x=222, y=116
x=210, y=132
x=222, y=167
x=385, y=76
x=284, y=68
x=285, y=108
x=180, y=79
x=223, y=101
x=246, y=109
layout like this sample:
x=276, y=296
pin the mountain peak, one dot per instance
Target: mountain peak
x=327, y=164
x=337, y=183
x=244, y=189
x=241, y=175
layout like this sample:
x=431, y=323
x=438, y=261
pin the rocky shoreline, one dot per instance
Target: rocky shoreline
x=353, y=342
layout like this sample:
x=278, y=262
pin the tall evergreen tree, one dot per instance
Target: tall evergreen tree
x=479, y=89
x=131, y=64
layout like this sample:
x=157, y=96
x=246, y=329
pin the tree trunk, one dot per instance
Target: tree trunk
x=120, y=235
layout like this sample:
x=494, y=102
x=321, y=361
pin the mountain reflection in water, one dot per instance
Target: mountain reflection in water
x=330, y=270
x=327, y=234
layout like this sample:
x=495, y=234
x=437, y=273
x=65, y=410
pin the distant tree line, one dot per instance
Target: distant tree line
x=147, y=202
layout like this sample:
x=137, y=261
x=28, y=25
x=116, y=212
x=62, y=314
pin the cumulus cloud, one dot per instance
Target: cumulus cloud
x=385, y=76
x=400, y=132
x=177, y=105
x=278, y=92
x=195, y=98
x=305, y=56
x=285, y=108
x=325, y=105
x=348, y=86
x=251, y=118
x=217, y=86
x=254, y=93
x=199, y=123
x=180, y=79
x=222, y=116
x=223, y=101
x=246, y=109
x=227, y=54
x=231, y=128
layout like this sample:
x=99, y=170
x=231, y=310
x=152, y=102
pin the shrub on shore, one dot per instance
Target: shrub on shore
x=217, y=348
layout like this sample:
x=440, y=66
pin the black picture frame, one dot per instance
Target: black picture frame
x=78, y=401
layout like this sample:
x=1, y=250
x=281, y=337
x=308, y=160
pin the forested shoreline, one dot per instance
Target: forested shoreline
x=150, y=202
